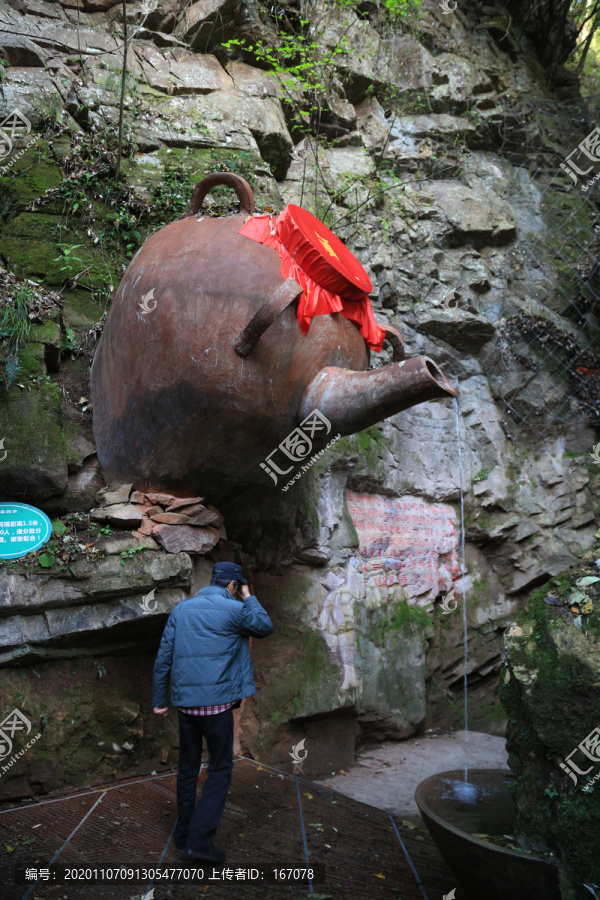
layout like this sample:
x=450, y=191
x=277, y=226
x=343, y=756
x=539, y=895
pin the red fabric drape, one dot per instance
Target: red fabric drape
x=284, y=235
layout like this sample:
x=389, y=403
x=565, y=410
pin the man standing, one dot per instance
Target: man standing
x=205, y=649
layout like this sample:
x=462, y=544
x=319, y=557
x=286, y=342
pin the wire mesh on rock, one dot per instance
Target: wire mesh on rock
x=547, y=351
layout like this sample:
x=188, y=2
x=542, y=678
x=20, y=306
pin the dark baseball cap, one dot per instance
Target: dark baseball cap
x=228, y=571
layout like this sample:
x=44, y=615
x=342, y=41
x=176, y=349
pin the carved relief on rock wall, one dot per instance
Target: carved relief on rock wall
x=408, y=549
x=406, y=541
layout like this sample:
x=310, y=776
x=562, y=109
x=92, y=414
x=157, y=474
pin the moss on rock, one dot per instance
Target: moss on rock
x=550, y=690
x=169, y=175
x=35, y=467
x=29, y=177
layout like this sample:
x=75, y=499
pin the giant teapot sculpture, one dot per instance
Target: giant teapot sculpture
x=202, y=370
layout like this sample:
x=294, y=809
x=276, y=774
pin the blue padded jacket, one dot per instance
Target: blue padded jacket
x=205, y=649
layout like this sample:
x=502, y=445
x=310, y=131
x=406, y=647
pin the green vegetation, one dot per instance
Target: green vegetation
x=402, y=617
x=67, y=258
x=129, y=554
x=15, y=327
x=547, y=720
x=172, y=195
x=367, y=446
x=479, y=593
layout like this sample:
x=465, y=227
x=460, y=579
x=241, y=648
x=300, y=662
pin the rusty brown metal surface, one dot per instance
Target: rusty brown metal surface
x=393, y=336
x=355, y=847
x=354, y=400
x=246, y=341
x=177, y=408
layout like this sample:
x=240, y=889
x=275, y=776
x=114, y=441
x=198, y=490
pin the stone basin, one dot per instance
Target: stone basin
x=454, y=812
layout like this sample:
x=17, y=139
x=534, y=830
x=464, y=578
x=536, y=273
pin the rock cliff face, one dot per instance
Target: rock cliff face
x=422, y=125
x=549, y=689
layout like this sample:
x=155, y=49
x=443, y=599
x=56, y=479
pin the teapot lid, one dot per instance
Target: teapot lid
x=321, y=254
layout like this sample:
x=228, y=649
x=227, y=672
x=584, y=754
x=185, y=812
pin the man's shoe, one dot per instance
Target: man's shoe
x=212, y=855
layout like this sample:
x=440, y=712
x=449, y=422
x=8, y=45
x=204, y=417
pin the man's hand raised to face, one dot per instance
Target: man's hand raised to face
x=244, y=591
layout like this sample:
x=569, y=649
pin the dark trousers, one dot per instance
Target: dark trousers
x=198, y=822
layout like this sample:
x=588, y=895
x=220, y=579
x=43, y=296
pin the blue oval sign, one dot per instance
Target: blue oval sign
x=23, y=528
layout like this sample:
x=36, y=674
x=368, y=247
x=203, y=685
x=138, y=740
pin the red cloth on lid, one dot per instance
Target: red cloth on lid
x=321, y=254
x=297, y=240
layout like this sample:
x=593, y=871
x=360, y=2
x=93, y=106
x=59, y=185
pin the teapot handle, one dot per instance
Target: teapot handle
x=239, y=184
x=395, y=339
x=279, y=300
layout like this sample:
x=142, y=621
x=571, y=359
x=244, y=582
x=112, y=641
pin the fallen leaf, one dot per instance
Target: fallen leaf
x=588, y=579
x=310, y=796
x=10, y=849
x=380, y=875
x=408, y=824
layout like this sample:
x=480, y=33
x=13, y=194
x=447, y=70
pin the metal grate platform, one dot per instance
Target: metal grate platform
x=272, y=820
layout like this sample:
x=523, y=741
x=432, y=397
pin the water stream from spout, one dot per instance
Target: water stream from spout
x=464, y=590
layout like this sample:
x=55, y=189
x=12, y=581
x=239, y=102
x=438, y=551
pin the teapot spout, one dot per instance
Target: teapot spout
x=354, y=400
